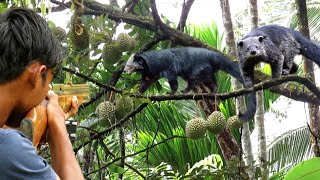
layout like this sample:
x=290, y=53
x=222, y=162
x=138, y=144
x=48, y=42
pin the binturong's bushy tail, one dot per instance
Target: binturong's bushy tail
x=233, y=69
x=308, y=48
x=251, y=107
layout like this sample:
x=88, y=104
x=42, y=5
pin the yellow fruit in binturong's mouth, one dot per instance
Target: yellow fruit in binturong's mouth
x=196, y=128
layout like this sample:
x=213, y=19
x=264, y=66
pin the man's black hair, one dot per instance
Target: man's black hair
x=25, y=38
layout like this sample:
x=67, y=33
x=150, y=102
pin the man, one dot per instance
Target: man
x=30, y=56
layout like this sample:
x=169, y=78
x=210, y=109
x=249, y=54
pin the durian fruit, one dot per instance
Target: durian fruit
x=97, y=38
x=79, y=35
x=124, y=106
x=216, y=122
x=110, y=53
x=133, y=44
x=126, y=42
x=234, y=122
x=196, y=128
x=60, y=33
x=106, y=112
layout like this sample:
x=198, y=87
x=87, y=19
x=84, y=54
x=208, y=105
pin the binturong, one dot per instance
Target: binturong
x=277, y=46
x=194, y=65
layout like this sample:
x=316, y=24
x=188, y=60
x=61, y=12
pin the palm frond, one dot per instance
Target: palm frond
x=289, y=149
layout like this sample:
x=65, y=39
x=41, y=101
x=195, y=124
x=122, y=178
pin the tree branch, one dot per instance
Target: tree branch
x=117, y=14
x=296, y=94
x=184, y=14
x=91, y=80
x=106, y=149
x=108, y=130
x=294, y=90
x=138, y=152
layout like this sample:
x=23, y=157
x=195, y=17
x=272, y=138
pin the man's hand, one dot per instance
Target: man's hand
x=56, y=116
x=63, y=159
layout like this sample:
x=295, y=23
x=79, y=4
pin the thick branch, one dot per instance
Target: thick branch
x=177, y=36
x=299, y=94
x=294, y=90
x=184, y=14
x=117, y=14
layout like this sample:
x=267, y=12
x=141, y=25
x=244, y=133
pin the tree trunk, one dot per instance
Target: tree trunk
x=309, y=72
x=259, y=117
x=262, y=145
x=253, y=9
x=240, y=101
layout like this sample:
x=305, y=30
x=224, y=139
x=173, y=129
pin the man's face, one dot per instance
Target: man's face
x=31, y=95
x=41, y=90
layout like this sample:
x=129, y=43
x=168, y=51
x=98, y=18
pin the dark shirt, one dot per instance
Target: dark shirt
x=19, y=158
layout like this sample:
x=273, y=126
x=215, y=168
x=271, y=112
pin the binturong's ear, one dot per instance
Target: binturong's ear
x=138, y=62
x=261, y=38
x=240, y=43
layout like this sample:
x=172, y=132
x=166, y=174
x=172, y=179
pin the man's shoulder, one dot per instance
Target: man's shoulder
x=19, y=158
x=14, y=143
x=10, y=134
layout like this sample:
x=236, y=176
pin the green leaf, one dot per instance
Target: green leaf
x=306, y=170
x=43, y=8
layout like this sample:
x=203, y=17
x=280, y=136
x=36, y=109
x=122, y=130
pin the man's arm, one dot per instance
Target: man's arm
x=63, y=159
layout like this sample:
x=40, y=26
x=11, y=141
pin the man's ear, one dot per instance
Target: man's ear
x=36, y=72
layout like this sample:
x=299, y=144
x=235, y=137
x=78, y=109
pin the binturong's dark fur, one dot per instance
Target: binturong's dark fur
x=277, y=46
x=194, y=65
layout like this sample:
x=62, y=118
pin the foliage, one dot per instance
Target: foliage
x=308, y=169
x=165, y=121
x=157, y=132
x=289, y=150
x=208, y=168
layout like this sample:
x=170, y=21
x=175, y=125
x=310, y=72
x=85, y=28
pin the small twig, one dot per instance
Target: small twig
x=138, y=152
x=315, y=138
x=110, y=88
x=111, y=128
x=93, y=68
x=106, y=149
x=151, y=43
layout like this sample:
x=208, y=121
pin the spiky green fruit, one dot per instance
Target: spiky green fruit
x=125, y=42
x=234, y=122
x=124, y=106
x=60, y=33
x=132, y=45
x=216, y=122
x=79, y=37
x=110, y=53
x=196, y=128
x=97, y=38
x=106, y=112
